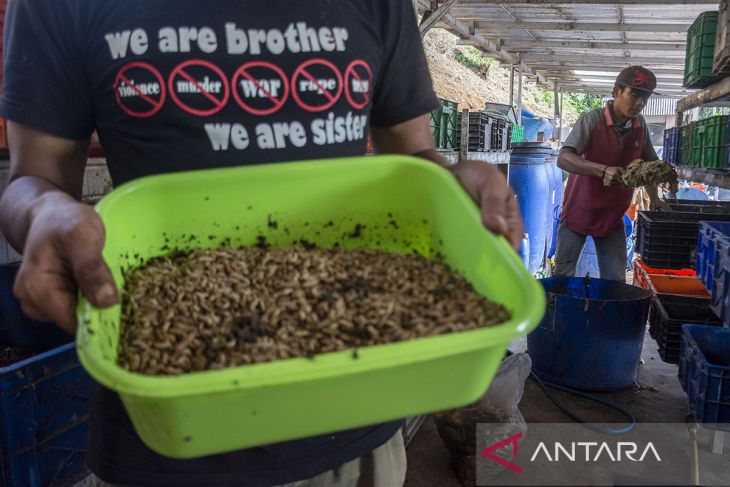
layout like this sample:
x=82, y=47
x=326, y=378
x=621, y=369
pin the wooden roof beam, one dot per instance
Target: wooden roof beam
x=491, y=47
x=601, y=61
x=637, y=46
x=489, y=3
x=487, y=26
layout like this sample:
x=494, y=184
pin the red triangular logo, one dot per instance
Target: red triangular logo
x=512, y=440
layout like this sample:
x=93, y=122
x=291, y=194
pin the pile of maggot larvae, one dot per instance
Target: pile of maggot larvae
x=211, y=309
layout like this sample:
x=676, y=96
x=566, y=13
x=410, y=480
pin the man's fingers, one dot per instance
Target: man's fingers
x=494, y=209
x=83, y=251
x=47, y=297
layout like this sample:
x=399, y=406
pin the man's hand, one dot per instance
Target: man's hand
x=612, y=175
x=489, y=189
x=484, y=183
x=63, y=250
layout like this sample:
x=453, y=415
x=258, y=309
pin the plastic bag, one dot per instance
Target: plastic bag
x=498, y=407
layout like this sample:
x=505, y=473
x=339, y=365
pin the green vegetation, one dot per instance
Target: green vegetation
x=473, y=58
x=583, y=102
x=544, y=97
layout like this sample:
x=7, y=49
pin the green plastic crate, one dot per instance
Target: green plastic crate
x=714, y=142
x=685, y=145
x=698, y=131
x=449, y=124
x=444, y=124
x=518, y=134
x=321, y=201
x=700, y=51
x=435, y=121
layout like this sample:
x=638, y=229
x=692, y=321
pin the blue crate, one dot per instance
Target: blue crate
x=704, y=372
x=672, y=145
x=44, y=401
x=712, y=238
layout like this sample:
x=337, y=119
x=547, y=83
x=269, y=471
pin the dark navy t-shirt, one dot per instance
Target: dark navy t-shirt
x=172, y=85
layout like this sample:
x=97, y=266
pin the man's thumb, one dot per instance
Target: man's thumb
x=96, y=282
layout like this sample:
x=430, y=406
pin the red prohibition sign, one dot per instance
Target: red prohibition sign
x=350, y=71
x=277, y=102
x=331, y=98
x=121, y=78
x=218, y=104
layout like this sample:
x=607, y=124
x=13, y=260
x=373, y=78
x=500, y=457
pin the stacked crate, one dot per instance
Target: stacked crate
x=671, y=242
x=672, y=138
x=712, y=134
x=685, y=145
x=721, y=61
x=480, y=131
x=700, y=51
x=487, y=133
x=444, y=127
x=518, y=134
x=704, y=143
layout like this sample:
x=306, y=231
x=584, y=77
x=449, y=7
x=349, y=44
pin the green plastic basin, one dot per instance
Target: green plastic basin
x=323, y=202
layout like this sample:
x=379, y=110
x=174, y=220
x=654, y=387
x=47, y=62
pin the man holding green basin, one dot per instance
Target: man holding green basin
x=182, y=85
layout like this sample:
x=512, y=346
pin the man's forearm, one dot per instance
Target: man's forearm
x=21, y=201
x=573, y=163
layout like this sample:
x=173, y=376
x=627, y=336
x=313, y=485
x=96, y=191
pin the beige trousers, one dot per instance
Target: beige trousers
x=383, y=467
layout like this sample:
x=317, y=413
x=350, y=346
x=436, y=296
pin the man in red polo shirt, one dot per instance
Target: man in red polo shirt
x=602, y=143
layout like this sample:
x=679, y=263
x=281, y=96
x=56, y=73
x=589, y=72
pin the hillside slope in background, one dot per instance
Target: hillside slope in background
x=457, y=82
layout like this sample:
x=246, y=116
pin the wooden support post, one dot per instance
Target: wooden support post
x=512, y=85
x=519, y=95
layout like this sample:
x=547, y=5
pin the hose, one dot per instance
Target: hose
x=609, y=431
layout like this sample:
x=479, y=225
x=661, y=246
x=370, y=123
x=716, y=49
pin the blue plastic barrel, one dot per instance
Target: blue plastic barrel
x=529, y=180
x=550, y=208
x=591, y=335
x=525, y=250
x=557, y=203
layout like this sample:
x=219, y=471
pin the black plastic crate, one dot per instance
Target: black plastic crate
x=695, y=206
x=668, y=240
x=500, y=135
x=481, y=127
x=667, y=315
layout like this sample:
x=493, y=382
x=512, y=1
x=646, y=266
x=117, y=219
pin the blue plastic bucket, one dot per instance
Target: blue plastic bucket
x=588, y=261
x=529, y=180
x=591, y=335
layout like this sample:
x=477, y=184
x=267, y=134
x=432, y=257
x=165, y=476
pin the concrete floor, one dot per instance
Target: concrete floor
x=661, y=401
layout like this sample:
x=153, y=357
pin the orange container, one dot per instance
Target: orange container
x=681, y=285
x=663, y=272
x=668, y=281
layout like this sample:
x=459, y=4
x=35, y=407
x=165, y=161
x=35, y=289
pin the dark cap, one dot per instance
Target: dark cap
x=637, y=77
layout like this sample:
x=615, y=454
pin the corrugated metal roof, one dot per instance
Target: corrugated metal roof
x=657, y=105
x=553, y=40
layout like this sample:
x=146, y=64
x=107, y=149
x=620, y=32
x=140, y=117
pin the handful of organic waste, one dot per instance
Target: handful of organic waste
x=649, y=173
